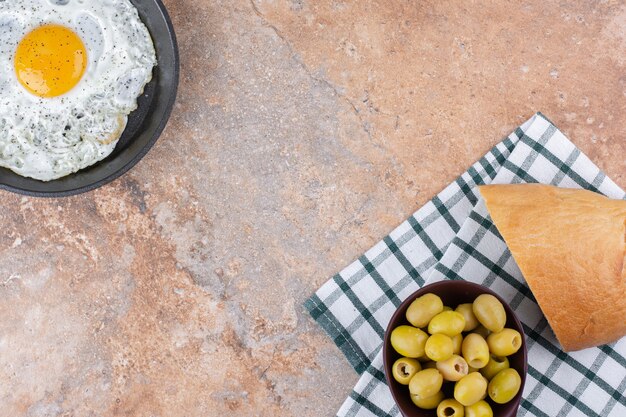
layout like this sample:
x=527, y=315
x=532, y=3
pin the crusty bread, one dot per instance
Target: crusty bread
x=570, y=246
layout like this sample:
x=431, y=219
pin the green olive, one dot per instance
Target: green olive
x=423, y=309
x=449, y=323
x=504, y=386
x=404, y=368
x=505, y=343
x=495, y=365
x=482, y=330
x=479, y=409
x=471, y=322
x=453, y=368
x=475, y=350
x=409, y=341
x=450, y=408
x=428, y=403
x=489, y=312
x=425, y=383
x=457, y=340
x=446, y=308
x=439, y=347
x=470, y=388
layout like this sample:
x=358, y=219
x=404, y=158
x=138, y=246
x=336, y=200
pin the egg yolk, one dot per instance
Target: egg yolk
x=50, y=60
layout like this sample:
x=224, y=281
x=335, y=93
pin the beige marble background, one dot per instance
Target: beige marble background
x=303, y=133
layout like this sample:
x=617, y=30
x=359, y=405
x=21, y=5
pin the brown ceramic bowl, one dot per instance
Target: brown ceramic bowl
x=452, y=293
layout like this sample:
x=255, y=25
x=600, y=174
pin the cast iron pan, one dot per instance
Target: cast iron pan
x=144, y=126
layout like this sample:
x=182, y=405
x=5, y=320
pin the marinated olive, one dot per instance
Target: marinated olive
x=475, y=350
x=449, y=323
x=495, y=365
x=435, y=350
x=471, y=322
x=423, y=309
x=439, y=347
x=504, y=386
x=426, y=383
x=470, y=388
x=404, y=368
x=409, y=341
x=428, y=403
x=504, y=343
x=457, y=340
x=489, y=312
x=481, y=330
x=450, y=408
x=453, y=369
x=479, y=409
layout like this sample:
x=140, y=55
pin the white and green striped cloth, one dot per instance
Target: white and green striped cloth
x=453, y=237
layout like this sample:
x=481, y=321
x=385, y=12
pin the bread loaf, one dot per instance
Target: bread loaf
x=570, y=246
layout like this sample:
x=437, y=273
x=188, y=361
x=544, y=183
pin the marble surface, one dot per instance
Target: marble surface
x=304, y=131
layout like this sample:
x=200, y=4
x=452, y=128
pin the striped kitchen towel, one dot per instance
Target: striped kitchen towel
x=453, y=237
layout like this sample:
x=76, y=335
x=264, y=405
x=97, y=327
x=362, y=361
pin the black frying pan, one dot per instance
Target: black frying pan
x=144, y=124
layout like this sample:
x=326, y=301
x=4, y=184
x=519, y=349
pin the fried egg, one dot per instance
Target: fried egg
x=70, y=74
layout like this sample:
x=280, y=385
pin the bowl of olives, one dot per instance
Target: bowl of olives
x=454, y=349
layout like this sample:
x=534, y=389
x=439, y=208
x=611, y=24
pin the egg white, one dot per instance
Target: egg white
x=48, y=138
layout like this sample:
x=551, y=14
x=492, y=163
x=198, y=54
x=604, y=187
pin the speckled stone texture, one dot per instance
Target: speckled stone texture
x=303, y=133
